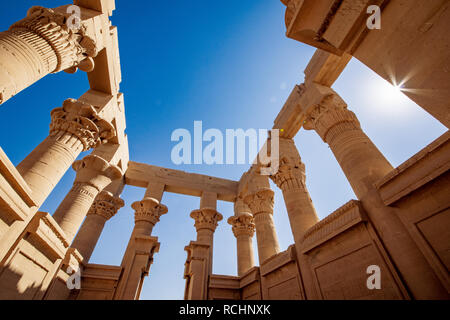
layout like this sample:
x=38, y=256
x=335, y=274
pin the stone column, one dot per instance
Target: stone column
x=290, y=178
x=362, y=162
x=104, y=208
x=260, y=201
x=142, y=246
x=93, y=175
x=75, y=127
x=40, y=44
x=206, y=221
x=243, y=227
x=363, y=165
x=147, y=214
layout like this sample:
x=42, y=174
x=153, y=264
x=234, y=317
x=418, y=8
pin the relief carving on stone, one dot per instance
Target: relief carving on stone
x=206, y=218
x=332, y=110
x=81, y=120
x=261, y=201
x=291, y=172
x=72, y=47
x=243, y=224
x=148, y=209
x=106, y=205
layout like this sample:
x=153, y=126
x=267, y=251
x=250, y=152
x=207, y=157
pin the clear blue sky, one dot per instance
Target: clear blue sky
x=228, y=64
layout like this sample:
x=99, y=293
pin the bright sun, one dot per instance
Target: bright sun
x=391, y=93
x=388, y=97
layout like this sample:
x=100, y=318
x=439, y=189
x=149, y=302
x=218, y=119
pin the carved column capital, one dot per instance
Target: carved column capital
x=81, y=120
x=106, y=205
x=332, y=110
x=148, y=209
x=95, y=171
x=71, y=45
x=206, y=218
x=261, y=201
x=242, y=225
x=290, y=175
x=291, y=170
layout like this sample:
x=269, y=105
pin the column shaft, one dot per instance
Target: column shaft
x=75, y=127
x=206, y=221
x=291, y=179
x=104, y=208
x=266, y=236
x=243, y=227
x=143, y=228
x=93, y=175
x=73, y=209
x=45, y=166
x=363, y=164
x=245, y=256
x=260, y=201
x=88, y=235
x=301, y=212
x=361, y=161
x=25, y=58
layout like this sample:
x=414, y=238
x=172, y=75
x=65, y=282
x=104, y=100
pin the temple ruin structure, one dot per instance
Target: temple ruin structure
x=400, y=220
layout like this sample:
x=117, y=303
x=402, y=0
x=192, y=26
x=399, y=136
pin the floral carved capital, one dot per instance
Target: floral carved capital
x=261, y=201
x=332, y=110
x=243, y=224
x=290, y=175
x=106, y=205
x=72, y=46
x=148, y=209
x=206, y=218
x=83, y=121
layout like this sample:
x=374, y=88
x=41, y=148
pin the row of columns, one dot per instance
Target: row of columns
x=361, y=161
x=48, y=41
x=363, y=165
x=43, y=43
x=77, y=127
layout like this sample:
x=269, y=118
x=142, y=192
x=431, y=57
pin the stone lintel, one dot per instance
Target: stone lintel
x=325, y=68
x=336, y=26
x=176, y=181
x=106, y=76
